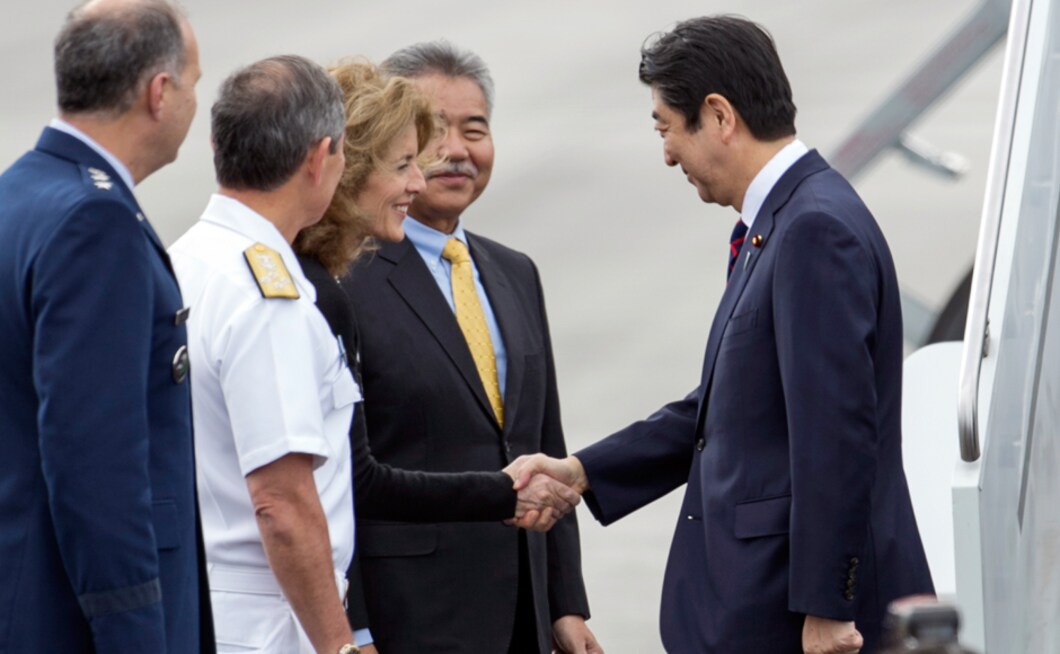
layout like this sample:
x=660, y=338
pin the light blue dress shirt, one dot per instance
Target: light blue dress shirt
x=115, y=163
x=430, y=243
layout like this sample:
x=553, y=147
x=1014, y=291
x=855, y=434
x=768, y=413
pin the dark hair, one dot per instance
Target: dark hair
x=727, y=55
x=267, y=117
x=441, y=57
x=103, y=56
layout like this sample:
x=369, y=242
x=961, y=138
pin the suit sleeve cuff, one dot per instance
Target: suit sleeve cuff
x=130, y=598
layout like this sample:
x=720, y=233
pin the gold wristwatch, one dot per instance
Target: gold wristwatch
x=349, y=648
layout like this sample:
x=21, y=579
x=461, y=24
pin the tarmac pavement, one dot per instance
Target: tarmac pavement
x=632, y=261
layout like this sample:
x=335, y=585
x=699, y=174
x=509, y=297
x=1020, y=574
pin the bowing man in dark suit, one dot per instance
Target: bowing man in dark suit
x=99, y=538
x=458, y=376
x=389, y=123
x=796, y=529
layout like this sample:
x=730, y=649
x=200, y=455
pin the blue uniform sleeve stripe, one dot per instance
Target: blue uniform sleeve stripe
x=130, y=598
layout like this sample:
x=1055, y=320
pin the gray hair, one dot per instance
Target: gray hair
x=103, y=57
x=267, y=117
x=441, y=57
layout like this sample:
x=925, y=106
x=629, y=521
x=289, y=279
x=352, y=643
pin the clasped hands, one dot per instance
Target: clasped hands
x=547, y=489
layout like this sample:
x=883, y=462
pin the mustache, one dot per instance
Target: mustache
x=465, y=168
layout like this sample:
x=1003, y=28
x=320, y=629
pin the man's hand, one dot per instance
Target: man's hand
x=571, y=635
x=568, y=471
x=542, y=502
x=548, y=489
x=824, y=636
x=369, y=649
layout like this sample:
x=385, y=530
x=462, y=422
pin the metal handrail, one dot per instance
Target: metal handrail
x=977, y=329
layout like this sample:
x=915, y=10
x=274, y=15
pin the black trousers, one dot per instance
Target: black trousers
x=524, y=634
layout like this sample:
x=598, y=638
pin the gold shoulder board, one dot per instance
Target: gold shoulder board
x=267, y=267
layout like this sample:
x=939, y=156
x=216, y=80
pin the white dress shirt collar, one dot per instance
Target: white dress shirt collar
x=768, y=177
x=234, y=215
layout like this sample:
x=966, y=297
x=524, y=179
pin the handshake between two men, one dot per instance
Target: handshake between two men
x=547, y=489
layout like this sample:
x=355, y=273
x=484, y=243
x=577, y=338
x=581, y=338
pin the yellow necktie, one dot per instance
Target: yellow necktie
x=473, y=323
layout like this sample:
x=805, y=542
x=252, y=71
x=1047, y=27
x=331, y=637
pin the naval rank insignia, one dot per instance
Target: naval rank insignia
x=270, y=273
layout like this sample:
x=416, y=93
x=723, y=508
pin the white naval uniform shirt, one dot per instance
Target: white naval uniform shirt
x=268, y=379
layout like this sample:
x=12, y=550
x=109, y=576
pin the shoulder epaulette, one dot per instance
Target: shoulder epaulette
x=270, y=272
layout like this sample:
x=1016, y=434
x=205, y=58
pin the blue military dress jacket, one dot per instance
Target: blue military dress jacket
x=100, y=548
x=796, y=501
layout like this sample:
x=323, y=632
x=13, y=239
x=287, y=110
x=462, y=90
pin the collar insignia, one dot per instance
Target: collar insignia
x=100, y=179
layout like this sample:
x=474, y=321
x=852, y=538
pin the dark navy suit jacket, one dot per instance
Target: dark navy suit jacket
x=791, y=445
x=98, y=519
x=453, y=587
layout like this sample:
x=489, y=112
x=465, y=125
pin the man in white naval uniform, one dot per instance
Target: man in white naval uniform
x=272, y=395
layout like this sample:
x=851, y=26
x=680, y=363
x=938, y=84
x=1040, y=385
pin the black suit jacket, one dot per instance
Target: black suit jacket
x=382, y=491
x=453, y=587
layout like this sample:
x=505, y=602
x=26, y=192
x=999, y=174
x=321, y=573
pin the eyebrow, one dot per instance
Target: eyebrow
x=477, y=119
x=473, y=118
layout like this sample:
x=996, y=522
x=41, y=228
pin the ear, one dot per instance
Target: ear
x=156, y=94
x=721, y=114
x=318, y=154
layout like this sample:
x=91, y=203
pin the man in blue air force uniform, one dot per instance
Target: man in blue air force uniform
x=99, y=545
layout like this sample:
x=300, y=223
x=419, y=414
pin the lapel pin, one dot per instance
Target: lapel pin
x=757, y=240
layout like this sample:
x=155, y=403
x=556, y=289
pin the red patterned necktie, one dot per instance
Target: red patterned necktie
x=735, y=242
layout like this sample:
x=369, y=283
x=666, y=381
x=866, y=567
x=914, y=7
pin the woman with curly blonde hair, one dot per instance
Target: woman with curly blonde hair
x=389, y=126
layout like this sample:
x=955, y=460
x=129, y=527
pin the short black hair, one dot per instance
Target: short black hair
x=727, y=55
x=267, y=117
x=104, y=56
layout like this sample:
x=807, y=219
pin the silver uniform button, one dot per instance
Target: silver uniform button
x=181, y=364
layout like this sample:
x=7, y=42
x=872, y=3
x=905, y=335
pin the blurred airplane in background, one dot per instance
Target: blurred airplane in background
x=887, y=127
x=981, y=416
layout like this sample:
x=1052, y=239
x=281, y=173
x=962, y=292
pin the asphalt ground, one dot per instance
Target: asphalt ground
x=632, y=261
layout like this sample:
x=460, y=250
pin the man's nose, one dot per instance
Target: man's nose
x=453, y=147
